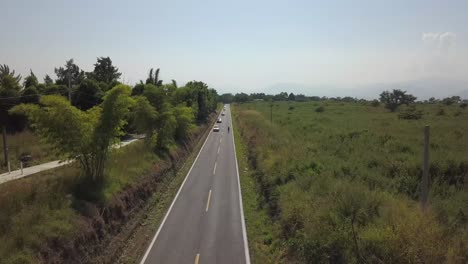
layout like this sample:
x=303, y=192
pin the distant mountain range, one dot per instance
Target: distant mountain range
x=423, y=89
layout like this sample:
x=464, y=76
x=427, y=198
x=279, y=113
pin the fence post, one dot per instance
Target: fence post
x=425, y=176
x=9, y=167
x=21, y=165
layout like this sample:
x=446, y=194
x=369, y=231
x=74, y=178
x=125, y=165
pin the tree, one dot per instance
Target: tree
x=154, y=79
x=71, y=72
x=451, y=100
x=394, y=99
x=226, y=98
x=5, y=71
x=30, y=80
x=138, y=89
x=30, y=95
x=144, y=117
x=47, y=80
x=86, y=136
x=241, y=98
x=104, y=71
x=9, y=96
x=184, y=122
x=291, y=97
x=9, y=92
x=87, y=95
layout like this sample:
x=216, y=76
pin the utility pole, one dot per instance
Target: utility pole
x=271, y=113
x=5, y=146
x=425, y=176
x=69, y=86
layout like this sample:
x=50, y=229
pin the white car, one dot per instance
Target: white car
x=216, y=128
x=222, y=113
x=219, y=121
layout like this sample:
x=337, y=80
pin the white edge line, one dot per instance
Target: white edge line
x=244, y=233
x=208, y=201
x=214, y=169
x=173, y=201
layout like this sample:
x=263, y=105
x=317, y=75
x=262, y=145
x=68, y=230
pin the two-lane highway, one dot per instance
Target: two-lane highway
x=205, y=222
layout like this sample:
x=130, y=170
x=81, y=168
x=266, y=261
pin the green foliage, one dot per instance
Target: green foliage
x=441, y=112
x=9, y=92
x=70, y=73
x=375, y=103
x=47, y=80
x=138, y=89
x=104, y=71
x=154, y=78
x=241, y=98
x=184, y=122
x=410, y=113
x=30, y=80
x=5, y=71
x=394, y=99
x=30, y=95
x=320, y=109
x=463, y=105
x=85, y=136
x=87, y=94
x=226, y=98
x=451, y=100
x=145, y=116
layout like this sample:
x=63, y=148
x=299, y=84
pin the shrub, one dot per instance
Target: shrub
x=410, y=113
x=375, y=103
x=320, y=109
x=441, y=112
x=463, y=105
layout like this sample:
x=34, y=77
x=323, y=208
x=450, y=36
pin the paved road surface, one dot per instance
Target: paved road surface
x=205, y=223
x=16, y=174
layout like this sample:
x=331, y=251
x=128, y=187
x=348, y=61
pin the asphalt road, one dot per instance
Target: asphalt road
x=205, y=223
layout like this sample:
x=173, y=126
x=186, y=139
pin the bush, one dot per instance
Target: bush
x=320, y=109
x=463, y=105
x=410, y=113
x=375, y=103
x=441, y=112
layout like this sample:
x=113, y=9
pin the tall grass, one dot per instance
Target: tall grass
x=343, y=182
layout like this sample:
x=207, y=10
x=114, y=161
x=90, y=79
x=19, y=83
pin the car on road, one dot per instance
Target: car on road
x=216, y=128
x=219, y=120
x=222, y=113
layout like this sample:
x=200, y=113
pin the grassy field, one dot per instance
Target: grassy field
x=340, y=182
x=25, y=142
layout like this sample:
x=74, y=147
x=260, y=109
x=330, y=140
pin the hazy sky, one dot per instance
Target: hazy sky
x=242, y=45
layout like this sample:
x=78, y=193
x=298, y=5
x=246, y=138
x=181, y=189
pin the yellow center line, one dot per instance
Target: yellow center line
x=208, y=202
x=197, y=258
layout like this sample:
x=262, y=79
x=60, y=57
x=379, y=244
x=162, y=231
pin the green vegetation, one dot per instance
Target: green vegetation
x=342, y=185
x=80, y=117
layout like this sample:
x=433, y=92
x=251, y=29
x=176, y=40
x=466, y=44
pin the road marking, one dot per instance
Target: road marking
x=208, y=201
x=197, y=258
x=244, y=233
x=173, y=202
x=219, y=148
x=214, y=169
